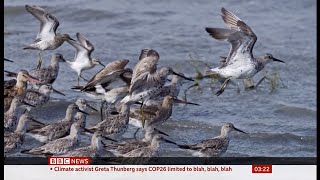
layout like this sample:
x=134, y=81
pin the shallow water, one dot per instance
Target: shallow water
x=279, y=123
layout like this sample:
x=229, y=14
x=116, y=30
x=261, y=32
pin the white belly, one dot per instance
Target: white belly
x=237, y=72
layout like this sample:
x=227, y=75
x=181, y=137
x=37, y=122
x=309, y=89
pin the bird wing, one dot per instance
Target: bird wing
x=240, y=36
x=48, y=23
x=115, y=67
x=9, y=84
x=145, y=66
x=147, y=113
x=82, y=53
x=34, y=97
x=85, y=42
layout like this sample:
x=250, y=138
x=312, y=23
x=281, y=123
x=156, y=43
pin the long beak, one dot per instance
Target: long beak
x=168, y=141
x=58, y=92
x=189, y=79
x=31, y=119
x=63, y=59
x=160, y=132
x=83, y=112
x=8, y=60
x=92, y=107
x=25, y=103
x=240, y=130
x=107, y=138
x=71, y=39
x=101, y=64
x=274, y=59
x=183, y=102
x=33, y=79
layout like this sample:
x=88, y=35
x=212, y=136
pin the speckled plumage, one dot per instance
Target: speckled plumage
x=56, y=130
x=59, y=146
x=114, y=126
x=14, y=140
x=215, y=146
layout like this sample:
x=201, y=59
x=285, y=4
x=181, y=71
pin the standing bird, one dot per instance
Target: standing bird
x=114, y=126
x=16, y=87
x=213, y=147
x=84, y=105
x=11, y=116
x=240, y=63
x=82, y=60
x=152, y=150
x=122, y=148
x=94, y=150
x=155, y=115
x=47, y=38
x=40, y=97
x=172, y=89
x=47, y=75
x=14, y=140
x=56, y=130
x=58, y=146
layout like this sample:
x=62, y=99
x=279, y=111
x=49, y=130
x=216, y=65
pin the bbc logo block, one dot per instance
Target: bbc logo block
x=68, y=161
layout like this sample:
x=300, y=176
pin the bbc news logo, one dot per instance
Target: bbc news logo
x=68, y=161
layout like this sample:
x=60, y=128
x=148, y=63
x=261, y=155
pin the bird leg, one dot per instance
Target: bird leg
x=78, y=80
x=135, y=134
x=101, y=110
x=84, y=78
x=264, y=77
x=39, y=60
x=224, y=85
x=142, y=115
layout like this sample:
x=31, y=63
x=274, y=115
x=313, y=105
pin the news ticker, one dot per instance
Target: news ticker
x=165, y=161
x=58, y=162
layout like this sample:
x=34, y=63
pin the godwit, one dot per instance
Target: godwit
x=16, y=87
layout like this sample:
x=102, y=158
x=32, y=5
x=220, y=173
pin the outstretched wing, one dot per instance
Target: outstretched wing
x=82, y=53
x=85, y=43
x=240, y=36
x=48, y=23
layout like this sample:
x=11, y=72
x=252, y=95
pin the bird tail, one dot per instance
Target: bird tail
x=10, y=74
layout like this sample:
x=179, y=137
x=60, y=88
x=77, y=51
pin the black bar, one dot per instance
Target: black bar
x=175, y=161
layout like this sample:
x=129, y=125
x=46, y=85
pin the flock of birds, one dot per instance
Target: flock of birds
x=140, y=96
